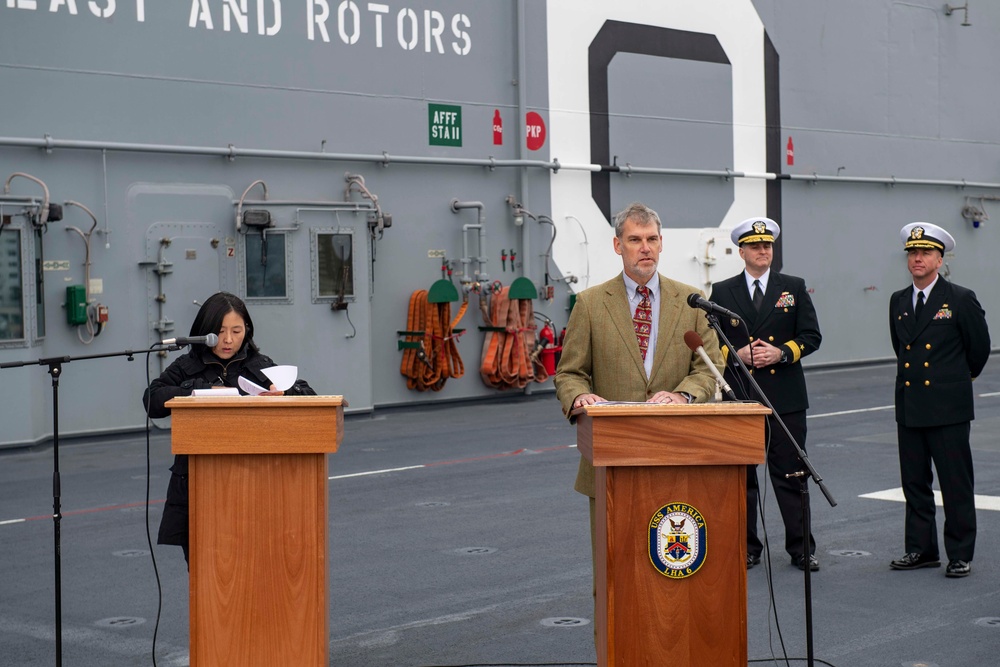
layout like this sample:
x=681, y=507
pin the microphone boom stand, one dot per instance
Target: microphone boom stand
x=55, y=365
x=803, y=476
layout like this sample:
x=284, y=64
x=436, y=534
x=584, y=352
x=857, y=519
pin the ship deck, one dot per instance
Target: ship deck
x=456, y=539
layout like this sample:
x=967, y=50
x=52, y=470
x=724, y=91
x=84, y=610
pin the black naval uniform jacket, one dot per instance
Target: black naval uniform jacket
x=938, y=355
x=787, y=319
x=200, y=369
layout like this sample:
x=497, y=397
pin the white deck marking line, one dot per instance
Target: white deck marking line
x=881, y=407
x=896, y=495
x=502, y=455
x=517, y=452
x=850, y=412
x=376, y=472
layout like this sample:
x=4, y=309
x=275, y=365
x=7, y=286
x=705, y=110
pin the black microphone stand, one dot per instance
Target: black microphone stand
x=802, y=475
x=55, y=365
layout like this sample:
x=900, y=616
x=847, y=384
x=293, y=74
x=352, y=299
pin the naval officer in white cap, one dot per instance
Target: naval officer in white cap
x=941, y=341
x=781, y=328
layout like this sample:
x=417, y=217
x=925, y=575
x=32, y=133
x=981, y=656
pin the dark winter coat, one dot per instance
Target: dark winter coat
x=787, y=320
x=200, y=369
x=938, y=356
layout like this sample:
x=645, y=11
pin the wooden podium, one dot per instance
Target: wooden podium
x=671, y=485
x=258, y=508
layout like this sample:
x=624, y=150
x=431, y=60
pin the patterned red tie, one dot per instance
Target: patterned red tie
x=642, y=320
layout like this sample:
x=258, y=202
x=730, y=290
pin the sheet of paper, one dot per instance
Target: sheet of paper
x=250, y=387
x=283, y=377
x=625, y=403
x=222, y=391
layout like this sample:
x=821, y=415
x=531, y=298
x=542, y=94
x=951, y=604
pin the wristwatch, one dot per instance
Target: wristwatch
x=689, y=397
x=784, y=356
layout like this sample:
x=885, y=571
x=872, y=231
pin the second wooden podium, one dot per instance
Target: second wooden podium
x=258, y=518
x=671, y=530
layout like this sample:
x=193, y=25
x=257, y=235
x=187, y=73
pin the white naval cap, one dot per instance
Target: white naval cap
x=755, y=230
x=926, y=235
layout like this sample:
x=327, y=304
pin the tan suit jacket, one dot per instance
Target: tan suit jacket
x=601, y=354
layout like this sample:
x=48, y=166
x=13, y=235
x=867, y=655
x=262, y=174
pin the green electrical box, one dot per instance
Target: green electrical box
x=76, y=304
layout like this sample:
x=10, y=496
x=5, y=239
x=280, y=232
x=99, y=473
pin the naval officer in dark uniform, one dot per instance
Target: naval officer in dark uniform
x=780, y=328
x=941, y=341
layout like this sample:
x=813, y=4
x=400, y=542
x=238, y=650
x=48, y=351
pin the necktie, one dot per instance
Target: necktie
x=643, y=320
x=758, y=295
x=920, y=304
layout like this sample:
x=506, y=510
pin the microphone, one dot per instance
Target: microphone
x=211, y=340
x=695, y=300
x=697, y=345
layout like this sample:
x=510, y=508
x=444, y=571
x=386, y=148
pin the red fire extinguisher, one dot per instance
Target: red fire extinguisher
x=550, y=353
x=547, y=335
x=497, y=128
x=790, y=152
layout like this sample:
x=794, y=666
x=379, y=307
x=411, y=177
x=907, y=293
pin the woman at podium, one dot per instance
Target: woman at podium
x=235, y=355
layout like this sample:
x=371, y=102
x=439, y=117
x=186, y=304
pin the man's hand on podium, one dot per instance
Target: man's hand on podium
x=587, y=399
x=668, y=397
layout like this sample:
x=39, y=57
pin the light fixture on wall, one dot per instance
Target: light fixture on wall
x=977, y=215
x=948, y=9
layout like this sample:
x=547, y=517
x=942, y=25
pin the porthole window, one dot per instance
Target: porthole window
x=11, y=285
x=266, y=266
x=333, y=265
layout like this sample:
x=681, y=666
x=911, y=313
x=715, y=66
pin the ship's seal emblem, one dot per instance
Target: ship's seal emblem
x=677, y=540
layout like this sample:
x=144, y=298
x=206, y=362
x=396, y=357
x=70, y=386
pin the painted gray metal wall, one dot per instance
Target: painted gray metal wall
x=884, y=89
x=161, y=81
x=878, y=88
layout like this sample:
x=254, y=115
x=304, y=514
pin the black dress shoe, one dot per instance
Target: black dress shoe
x=914, y=561
x=958, y=568
x=800, y=562
x=752, y=560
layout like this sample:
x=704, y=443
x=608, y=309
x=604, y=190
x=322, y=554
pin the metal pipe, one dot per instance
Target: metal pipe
x=239, y=204
x=457, y=206
x=23, y=201
x=43, y=213
x=107, y=212
x=313, y=208
x=629, y=169
x=232, y=152
x=85, y=237
x=386, y=159
x=466, y=259
x=890, y=180
x=522, y=110
x=86, y=269
x=325, y=205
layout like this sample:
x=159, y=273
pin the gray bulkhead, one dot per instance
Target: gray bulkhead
x=160, y=116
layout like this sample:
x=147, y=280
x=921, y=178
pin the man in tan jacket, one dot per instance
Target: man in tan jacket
x=603, y=357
